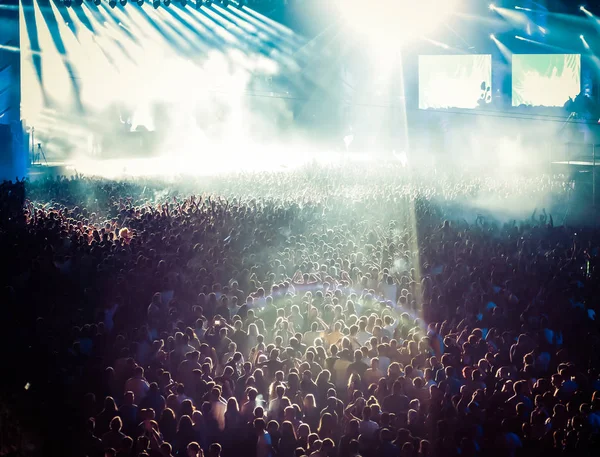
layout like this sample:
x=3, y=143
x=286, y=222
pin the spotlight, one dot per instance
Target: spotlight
x=155, y=3
x=492, y=6
x=167, y=2
x=123, y=2
x=582, y=8
x=492, y=36
x=582, y=37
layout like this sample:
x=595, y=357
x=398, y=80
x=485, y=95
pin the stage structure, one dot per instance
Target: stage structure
x=104, y=81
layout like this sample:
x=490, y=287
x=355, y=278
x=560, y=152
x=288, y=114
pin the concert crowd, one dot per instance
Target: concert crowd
x=321, y=313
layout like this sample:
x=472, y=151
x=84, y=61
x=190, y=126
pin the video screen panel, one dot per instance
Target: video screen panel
x=455, y=81
x=545, y=79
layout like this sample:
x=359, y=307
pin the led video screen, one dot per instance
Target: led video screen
x=545, y=79
x=455, y=81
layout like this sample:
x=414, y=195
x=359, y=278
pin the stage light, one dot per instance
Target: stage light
x=582, y=8
x=155, y=3
x=492, y=6
x=167, y=3
x=581, y=36
x=492, y=36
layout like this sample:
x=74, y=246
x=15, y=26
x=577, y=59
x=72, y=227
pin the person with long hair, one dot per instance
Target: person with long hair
x=352, y=434
x=185, y=435
x=310, y=412
x=323, y=385
x=381, y=391
x=327, y=427
x=234, y=423
x=107, y=414
x=302, y=436
x=261, y=383
x=233, y=417
x=168, y=425
x=252, y=340
x=293, y=388
x=354, y=384
x=288, y=440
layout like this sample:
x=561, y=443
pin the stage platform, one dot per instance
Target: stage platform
x=578, y=163
x=50, y=170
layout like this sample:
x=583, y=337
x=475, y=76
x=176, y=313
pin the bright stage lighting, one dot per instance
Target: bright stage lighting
x=584, y=41
x=394, y=22
x=492, y=36
x=492, y=6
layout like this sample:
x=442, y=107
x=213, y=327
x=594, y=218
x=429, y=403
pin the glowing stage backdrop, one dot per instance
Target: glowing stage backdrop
x=545, y=79
x=104, y=82
x=454, y=81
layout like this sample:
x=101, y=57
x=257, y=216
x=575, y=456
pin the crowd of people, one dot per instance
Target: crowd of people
x=337, y=312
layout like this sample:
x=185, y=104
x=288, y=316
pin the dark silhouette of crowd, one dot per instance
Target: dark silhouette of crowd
x=322, y=313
